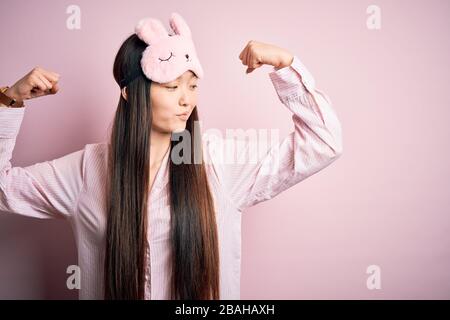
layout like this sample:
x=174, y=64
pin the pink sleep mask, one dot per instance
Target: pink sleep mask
x=167, y=56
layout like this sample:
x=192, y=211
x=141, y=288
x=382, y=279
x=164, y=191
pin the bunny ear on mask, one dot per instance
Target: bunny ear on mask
x=179, y=25
x=150, y=30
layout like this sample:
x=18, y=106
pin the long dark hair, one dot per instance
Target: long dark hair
x=194, y=238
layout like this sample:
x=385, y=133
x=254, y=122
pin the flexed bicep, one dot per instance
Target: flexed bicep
x=315, y=142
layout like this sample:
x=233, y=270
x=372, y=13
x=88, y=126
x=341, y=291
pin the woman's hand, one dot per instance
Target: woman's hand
x=38, y=82
x=256, y=54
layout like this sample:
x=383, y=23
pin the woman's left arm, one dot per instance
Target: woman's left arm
x=314, y=144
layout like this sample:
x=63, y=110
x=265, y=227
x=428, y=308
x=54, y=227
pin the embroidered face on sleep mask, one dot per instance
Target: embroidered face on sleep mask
x=167, y=56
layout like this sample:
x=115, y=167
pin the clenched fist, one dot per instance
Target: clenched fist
x=255, y=54
x=38, y=82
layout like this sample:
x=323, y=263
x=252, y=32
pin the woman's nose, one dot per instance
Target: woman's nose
x=185, y=99
x=185, y=102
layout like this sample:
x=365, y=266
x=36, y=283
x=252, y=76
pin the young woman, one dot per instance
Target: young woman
x=146, y=226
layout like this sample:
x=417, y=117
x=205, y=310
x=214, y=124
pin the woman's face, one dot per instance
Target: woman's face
x=170, y=100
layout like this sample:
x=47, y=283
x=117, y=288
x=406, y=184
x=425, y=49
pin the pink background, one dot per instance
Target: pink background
x=385, y=202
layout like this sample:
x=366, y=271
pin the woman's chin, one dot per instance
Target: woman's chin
x=179, y=128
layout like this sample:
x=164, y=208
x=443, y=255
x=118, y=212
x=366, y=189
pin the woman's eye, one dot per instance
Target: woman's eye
x=193, y=86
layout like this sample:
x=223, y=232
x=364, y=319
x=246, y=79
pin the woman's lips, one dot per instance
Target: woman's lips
x=183, y=116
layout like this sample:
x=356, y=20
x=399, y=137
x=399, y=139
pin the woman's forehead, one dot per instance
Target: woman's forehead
x=187, y=75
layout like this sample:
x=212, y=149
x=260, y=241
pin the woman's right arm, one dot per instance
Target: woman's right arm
x=48, y=189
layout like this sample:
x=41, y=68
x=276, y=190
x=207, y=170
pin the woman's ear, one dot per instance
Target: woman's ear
x=124, y=93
